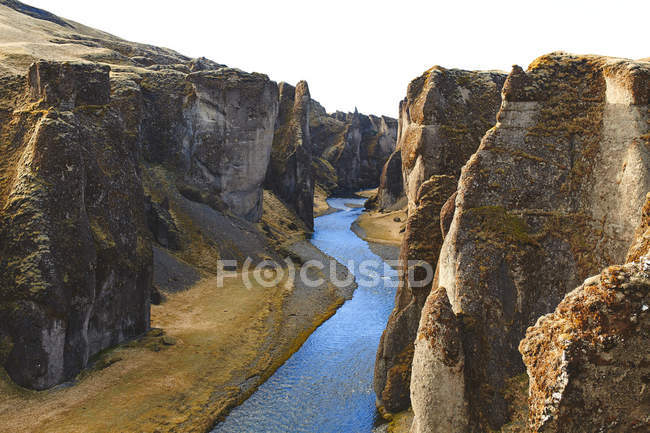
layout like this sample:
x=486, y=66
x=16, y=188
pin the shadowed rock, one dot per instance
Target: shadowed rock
x=356, y=147
x=76, y=263
x=290, y=169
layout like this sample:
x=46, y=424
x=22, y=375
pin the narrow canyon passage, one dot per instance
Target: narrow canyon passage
x=326, y=386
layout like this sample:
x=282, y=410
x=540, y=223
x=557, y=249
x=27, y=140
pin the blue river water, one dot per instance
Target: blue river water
x=326, y=386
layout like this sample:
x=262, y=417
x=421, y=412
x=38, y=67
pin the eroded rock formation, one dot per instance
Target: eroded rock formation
x=75, y=258
x=553, y=195
x=442, y=120
x=352, y=148
x=82, y=141
x=588, y=360
x=439, y=345
x=290, y=170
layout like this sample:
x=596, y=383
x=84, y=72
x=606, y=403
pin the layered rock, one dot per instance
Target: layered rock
x=553, y=194
x=588, y=360
x=355, y=145
x=442, y=120
x=290, y=169
x=75, y=259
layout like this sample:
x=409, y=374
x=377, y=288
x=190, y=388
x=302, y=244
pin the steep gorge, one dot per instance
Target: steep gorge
x=130, y=170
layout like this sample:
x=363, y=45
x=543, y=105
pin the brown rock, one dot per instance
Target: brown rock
x=438, y=369
x=76, y=262
x=421, y=242
x=588, y=360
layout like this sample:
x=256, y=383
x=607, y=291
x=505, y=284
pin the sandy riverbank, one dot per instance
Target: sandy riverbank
x=216, y=346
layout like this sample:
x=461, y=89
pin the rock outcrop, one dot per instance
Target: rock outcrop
x=391, y=183
x=442, y=120
x=439, y=345
x=82, y=143
x=356, y=147
x=75, y=257
x=290, y=170
x=553, y=195
x=588, y=361
x=215, y=128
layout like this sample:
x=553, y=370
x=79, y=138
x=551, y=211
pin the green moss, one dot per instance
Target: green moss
x=495, y=221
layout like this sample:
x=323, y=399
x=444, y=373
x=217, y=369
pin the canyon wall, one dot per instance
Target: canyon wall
x=98, y=160
x=351, y=148
x=553, y=195
x=128, y=170
x=290, y=171
x=442, y=120
x=75, y=257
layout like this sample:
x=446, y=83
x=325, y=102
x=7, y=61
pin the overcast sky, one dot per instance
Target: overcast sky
x=364, y=53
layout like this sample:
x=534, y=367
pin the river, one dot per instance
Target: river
x=326, y=386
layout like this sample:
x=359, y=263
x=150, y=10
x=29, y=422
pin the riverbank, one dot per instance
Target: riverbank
x=382, y=230
x=211, y=349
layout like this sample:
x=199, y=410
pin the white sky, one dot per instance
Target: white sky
x=364, y=53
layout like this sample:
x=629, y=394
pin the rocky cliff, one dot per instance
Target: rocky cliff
x=75, y=258
x=290, y=170
x=553, y=194
x=352, y=148
x=588, y=360
x=108, y=145
x=442, y=120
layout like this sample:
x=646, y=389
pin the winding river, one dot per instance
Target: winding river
x=326, y=386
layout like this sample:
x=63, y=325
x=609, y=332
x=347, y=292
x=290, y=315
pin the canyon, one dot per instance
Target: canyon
x=133, y=179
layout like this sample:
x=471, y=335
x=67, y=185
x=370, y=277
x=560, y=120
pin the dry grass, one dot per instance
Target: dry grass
x=224, y=336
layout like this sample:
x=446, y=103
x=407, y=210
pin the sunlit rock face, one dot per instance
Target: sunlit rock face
x=442, y=120
x=588, y=360
x=290, y=169
x=553, y=195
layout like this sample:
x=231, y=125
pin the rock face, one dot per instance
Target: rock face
x=444, y=117
x=75, y=257
x=438, y=344
x=553, y=195
x=422, y=241
x=82, y=141
x=215, y=127
x=355, y=145
x=391, y=183
x=290, y=170
x=588, y=360
x=442, y=120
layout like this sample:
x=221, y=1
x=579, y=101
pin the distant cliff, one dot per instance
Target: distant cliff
x=350, y=148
